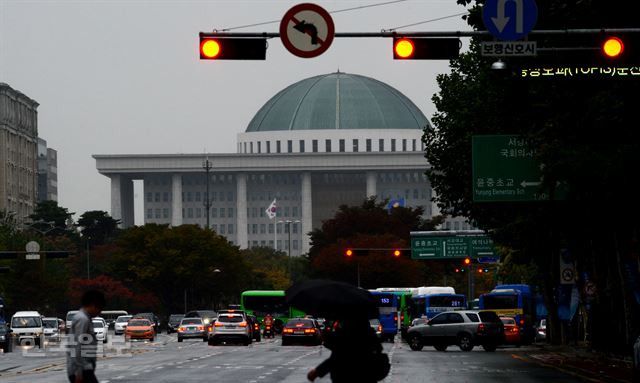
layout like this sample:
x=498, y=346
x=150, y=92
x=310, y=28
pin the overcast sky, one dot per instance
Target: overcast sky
x=124, y=76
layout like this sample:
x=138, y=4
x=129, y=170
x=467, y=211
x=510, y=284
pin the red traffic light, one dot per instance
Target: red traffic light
x=425, y=48
x=612, y=47
x=403, y=48
x=457, y=270
x=209, y=48
x=480, y=270
x=348, y=253
x=467, y=261
x=397, y=253
x=232, y=48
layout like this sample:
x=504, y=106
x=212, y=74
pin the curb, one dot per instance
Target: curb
x=577, y=372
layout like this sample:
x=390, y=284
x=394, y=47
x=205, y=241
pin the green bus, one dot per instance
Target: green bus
x=263, y=302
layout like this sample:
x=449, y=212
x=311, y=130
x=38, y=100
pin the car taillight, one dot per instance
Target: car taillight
x=515, y=329
x=242, y=324
x=218, y=324
x=402, y=317
x=521, y=322
x=200, y=328
x=481, y=327
x=309, y=331
x=379, y=328
x=210, y=327
x=288, y=331
x=395, y=318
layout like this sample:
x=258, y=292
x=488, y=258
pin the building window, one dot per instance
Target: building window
x=393, y=144
x=301, y=146
x=189, y=197
x=404, y=145
x=221, y=196
x=214, y=196
x=245, y=147
x=255, y=244
x=270, y=228
x=251, y=145
x=165, y=213
x=368, y=143
x=294, y=211
x=259, y=147
x=263, y=243
x=254, y=212
x=230, y=227
x=416, y=194
x=268, y=147
x=262, y=210
x=279, y=244
x=327, y=144
x=222, y=212
x=230, y=196
x=279, y=228
x=286, y=211
x=456, y=225
x=182, y=212
x=214, y=227
x=214, y=212
x=198, y=197
x=289, y=146
x=381, y=145
x=230, y=212
x=190, y=212
x=263, y=228
x=157, y=199
x=198, y=213
x=355, y=146
x=254, y=228
x=271, y=243
x=295, y=228
x=165, y=197
x=295, y=244
x=314, y=146
x=149, y=213
x=221, y=229
x=278, y=148
x=413, y=142
x=341, y=146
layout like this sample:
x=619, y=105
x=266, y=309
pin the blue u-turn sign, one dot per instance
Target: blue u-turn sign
x=510, y=19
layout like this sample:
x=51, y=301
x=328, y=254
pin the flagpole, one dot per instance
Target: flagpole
x=275, y=227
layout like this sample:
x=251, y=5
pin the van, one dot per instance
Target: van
x=26, y=327
x=110, y=316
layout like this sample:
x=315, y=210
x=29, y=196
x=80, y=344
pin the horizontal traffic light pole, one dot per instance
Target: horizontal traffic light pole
x=391, y=34
x=46, y=254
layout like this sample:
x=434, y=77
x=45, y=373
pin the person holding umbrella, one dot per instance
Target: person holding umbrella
x=356, y=352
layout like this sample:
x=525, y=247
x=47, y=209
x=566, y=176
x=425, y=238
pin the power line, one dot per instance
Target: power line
x=427, y=21
x=336, y=11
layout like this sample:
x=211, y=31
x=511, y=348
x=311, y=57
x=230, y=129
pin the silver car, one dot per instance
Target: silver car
x=192, y=328
x=465, y=329
x=230, y=327
x=51, y=329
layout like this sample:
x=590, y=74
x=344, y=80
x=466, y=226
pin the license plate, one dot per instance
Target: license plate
x=229, y=326
x=299, y=332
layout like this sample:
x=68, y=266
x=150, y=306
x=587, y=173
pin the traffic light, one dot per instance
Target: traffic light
x=467, y=261
x=612, y=47
x=425, y=48
x=355, y=252
x=459, y=270
x=232, y=48
x=397, y=253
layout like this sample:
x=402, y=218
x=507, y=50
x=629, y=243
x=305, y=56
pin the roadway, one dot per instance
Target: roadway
x=166, y=360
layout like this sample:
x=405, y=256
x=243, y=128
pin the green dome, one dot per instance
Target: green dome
x=338, y=101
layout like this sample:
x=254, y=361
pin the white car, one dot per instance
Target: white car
x=27, y=327
x=69, y=319
x=101, y=330
x=121, y=324
x=51, y=329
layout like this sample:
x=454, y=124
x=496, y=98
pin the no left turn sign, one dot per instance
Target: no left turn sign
x=307, y=30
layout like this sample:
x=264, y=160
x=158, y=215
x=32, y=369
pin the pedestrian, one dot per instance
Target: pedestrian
x=82, y=349
x=356, y=354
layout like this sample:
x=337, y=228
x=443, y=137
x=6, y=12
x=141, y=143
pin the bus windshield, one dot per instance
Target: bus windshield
x=262, y=305
x=497, y=302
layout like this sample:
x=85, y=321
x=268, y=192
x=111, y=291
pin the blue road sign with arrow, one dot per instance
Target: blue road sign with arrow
x=510, y=19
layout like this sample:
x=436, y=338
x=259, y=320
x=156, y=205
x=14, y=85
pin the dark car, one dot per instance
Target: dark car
x=301, y=330
x=208, y=317
x=153, y=318
x=252, y=320
x=636, y=361
x=174, y=322
x=465, y=329
x=5, y=337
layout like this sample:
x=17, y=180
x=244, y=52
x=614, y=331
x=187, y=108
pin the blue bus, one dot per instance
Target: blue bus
x=515, y=301
x=431, y=301
x=388, y=313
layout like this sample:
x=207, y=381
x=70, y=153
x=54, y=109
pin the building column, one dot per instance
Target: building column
x=307, y=209
x=122, y=200
x=176, y=200
x=372, y=184
x=241, y=211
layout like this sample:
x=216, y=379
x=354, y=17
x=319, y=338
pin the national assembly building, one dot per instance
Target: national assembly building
x=322, y=142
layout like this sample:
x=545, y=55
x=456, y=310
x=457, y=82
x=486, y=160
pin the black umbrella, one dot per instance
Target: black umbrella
x=330, y=299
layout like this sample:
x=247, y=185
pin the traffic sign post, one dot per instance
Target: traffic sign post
x=509, y=19
x=451, y=245
x=505, y=169
x=307, y=30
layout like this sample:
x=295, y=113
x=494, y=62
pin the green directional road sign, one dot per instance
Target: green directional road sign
x=505, y=169
x=450, y=246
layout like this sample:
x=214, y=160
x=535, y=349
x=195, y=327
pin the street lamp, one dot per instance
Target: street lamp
x=289, y=222
x=206, y=165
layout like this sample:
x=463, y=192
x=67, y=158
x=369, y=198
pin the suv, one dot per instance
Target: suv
x=27, y=327
x=230, y=327
x=465, y=329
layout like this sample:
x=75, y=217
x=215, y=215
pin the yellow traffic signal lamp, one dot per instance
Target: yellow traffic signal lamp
x=397, y=253
x=405, y=48
x=467, y=261
x=232, y=48
x=480, y=270
x=348, y=253
x=613, y=47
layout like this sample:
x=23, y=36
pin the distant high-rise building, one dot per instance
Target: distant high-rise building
x=47, y=172
x=18, y=151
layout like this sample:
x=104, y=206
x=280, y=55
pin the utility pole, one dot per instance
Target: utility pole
x=88, y=274
x=206, y=165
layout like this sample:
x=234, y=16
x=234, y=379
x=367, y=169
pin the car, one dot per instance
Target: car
x=192, y=328
x=541, y=330
x=301, y=330
x=110, y=316
x=174, y=322
x=376, y=326
x=466, y=329
x=121, y=324
x=101, y=329
x=208, y=316
x=151, y=317
x=5, y=337
x=51, y=329
x=511, y=331
x=27, y=327
x=140, y=328
x=69, y=319
x=230, y=327
x=255, y=327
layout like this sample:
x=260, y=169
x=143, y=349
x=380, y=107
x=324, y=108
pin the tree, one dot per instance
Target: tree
x=584, y=134
x=48, y=215
x=98, y=226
